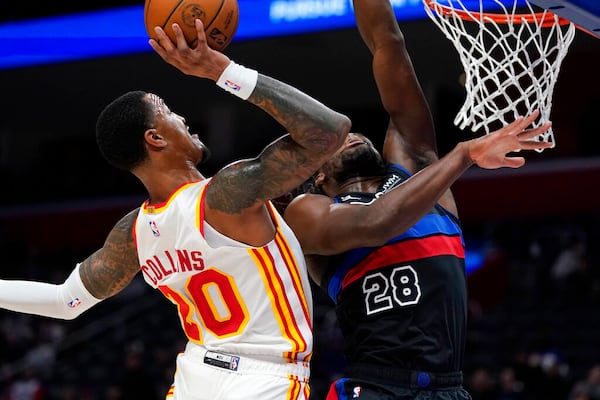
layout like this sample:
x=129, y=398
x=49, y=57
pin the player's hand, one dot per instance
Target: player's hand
x=201, y=61
x=490, y=151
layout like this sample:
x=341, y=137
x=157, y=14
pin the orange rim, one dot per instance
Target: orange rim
x=546, y=18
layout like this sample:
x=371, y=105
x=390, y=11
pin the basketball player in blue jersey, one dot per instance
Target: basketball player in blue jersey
x=215, y=247
x=382, y=235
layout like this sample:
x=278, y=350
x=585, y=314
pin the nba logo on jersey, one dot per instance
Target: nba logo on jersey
x=356, y=392
x=74, y=303
x=234, y=363
x=154, y=228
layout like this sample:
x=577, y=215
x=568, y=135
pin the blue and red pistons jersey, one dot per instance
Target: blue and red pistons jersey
x=403, y=304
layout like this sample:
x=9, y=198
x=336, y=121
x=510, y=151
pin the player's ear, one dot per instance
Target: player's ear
x=319, y=178
x=153, y=138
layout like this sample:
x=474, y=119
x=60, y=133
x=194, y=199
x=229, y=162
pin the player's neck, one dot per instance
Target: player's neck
x=161, y=185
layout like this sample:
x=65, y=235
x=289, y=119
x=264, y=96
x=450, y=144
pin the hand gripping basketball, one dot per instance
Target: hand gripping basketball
x=201, y=61
x=220, y=19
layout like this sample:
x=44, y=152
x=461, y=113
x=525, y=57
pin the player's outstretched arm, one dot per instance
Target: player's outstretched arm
x=326, y=228
x=103, y=274
x=315, y=130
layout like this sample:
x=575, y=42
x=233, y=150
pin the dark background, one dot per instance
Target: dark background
x=48, y=152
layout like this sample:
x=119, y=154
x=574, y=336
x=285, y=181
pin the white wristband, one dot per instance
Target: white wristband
x=238, y=80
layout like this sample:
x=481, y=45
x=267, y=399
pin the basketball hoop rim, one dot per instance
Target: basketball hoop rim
x=544, y=19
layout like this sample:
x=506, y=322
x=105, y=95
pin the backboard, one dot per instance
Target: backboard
x=584, y=13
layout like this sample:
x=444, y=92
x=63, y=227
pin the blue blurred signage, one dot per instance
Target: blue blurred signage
x=121, y=31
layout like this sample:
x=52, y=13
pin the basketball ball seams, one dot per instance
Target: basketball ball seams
x=220, y=18
x=164, y=24
x=206, y=26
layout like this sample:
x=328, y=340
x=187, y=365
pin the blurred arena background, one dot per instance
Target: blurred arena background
x=532, y=233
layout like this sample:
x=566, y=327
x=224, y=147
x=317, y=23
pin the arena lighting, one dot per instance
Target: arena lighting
x=119, y=31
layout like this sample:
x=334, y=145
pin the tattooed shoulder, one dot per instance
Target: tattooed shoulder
x=110, y=269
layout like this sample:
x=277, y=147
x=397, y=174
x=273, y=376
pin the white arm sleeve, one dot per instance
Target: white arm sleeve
x=65, y=301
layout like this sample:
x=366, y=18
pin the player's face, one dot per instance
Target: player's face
x=176, y=131
x=356, y=158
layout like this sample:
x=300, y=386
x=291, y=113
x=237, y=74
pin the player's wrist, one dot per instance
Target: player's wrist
x=238, y=80
x=467, y=152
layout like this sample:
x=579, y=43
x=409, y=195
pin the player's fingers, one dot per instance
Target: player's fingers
x=535, y=145
x=528, y=120
x=530, y=133
x=514, y=162
x=180, y=39
x=521, y=123
x=200, y=30
x=157, y=47
x=163, y=40
x=514, y=127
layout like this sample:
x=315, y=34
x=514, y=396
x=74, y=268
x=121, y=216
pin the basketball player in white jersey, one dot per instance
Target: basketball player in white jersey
x=215, y=246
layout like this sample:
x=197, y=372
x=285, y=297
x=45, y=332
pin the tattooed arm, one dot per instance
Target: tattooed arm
x=236, y=197
x=103, y=274
x=315, y=131
x=107, y=271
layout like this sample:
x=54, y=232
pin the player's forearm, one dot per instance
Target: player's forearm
x=406, y=204
x=65, y=301
x=311, y=124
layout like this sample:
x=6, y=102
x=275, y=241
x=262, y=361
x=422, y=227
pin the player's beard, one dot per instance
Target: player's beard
x=206, y=153
x=363, y=161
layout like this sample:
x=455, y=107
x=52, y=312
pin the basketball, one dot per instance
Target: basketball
x=220, y=19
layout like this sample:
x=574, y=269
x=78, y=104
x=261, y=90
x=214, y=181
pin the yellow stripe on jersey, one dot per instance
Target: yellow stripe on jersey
x=170, y=393
x=200, y=210
x=288, y=255
x=306, y=389
x=294, y=390
x=279, y=303
x=157, y=208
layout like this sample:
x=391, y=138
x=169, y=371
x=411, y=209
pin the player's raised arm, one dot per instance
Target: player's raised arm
x=410, y=140
x=325, y=228
x=315, y=131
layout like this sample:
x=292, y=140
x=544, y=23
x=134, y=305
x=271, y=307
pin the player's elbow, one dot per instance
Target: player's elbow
x=340, y=132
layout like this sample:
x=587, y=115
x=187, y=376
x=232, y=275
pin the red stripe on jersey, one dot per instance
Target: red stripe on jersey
x=404, y=251
x=292, y=264
x=302, y=345
x=200, y=222
x=267, y=265
x=294, y=390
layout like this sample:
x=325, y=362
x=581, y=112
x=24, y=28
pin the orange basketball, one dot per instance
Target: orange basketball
x=220, y=19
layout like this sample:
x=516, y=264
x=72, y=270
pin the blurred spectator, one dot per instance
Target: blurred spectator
x=27, y=387
x=136, y=382
x=481, y=386
x=554, y=384
x=589, y=388
x=509, y=387
x=568, y=272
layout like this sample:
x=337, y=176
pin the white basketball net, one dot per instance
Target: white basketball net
x=510, y=67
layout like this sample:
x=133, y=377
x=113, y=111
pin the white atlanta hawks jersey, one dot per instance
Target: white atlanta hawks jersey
x=231, y=297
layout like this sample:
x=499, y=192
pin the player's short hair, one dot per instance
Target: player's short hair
x=120, y=130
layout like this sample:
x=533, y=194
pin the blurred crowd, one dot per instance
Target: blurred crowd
x=534, y=326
